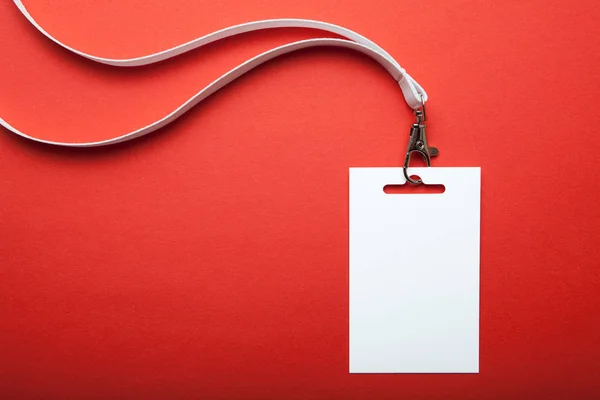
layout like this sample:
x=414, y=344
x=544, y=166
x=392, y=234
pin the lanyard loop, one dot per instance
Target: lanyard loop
x=414, y=94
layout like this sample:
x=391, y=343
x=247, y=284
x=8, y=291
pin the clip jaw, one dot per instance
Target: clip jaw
x=418, y=144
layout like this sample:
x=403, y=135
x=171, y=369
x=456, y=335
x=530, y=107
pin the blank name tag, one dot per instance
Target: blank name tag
x=414, y=272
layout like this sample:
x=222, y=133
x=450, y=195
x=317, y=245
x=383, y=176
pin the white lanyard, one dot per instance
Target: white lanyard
x=413, y=93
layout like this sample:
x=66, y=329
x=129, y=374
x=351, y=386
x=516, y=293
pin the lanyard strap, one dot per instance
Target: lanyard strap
x=414, y=94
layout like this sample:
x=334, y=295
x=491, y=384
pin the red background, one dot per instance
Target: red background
x=210, y=259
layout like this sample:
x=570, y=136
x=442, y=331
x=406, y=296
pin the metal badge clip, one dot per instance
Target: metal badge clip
x=418, y=144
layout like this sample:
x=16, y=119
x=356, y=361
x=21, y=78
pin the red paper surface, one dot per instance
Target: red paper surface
x=210, y=259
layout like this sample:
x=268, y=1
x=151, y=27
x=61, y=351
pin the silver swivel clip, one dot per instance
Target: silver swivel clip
x=418, y=144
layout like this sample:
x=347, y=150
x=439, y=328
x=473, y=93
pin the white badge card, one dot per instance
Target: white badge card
x=414, y=272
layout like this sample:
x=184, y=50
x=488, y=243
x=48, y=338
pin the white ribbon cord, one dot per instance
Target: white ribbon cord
x=414, y=94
